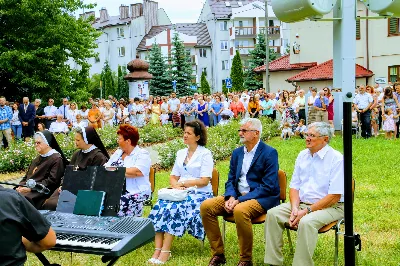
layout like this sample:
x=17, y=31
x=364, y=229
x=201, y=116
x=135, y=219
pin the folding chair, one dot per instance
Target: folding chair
x=260, y=219
x=335, y=225
x=152, y=179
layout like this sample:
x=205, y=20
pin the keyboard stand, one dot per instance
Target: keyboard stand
x=104, y=259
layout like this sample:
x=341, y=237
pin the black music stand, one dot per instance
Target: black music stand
x=97, y=178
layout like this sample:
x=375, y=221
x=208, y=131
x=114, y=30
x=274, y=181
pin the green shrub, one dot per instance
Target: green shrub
x=20, y=154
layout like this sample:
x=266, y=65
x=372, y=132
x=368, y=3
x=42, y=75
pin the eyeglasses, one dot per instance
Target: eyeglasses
x=312, y=136
x=38, y=142
x=246, y=130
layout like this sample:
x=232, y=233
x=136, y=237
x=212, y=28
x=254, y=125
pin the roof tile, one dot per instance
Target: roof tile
x=283, y=64
x=192, y=29
x=324, y=71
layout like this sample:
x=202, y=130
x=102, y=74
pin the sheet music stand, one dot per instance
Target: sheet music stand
x=97, y=178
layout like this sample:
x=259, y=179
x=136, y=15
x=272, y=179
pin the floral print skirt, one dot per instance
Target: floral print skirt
x=175, y=217
x=132, y=204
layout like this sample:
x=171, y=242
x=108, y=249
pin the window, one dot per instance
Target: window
x=121, y=51
x=204, y=70
x=393, y=27
x=225, y=64
x=358, y=30
x=97, y=59
x=203, y=52
x=223, y=25
x=120, y=32
x=224, y=45
x=394, y=73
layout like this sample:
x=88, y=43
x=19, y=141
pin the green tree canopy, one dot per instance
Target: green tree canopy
x=37, y=38
x=253, y=81
x=108, y=79
x=205, y=87
x=161, y=83
x=123, y=86
x=237, y=73
x=181, y=67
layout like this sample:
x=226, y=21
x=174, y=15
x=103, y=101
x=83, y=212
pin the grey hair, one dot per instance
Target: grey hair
x=254, y=124
x=323, y=128
x=40, y=101
x=321, y=91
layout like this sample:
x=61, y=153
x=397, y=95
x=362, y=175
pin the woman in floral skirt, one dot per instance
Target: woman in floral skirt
x=192, y=170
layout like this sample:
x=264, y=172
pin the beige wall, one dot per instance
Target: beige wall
x=316, y=43
x=320, y=84
x=278, y=80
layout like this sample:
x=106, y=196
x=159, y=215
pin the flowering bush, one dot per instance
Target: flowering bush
x=221, y=141
x=20, y=154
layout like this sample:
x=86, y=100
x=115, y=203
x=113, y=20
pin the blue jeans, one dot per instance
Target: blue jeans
x=17, y=129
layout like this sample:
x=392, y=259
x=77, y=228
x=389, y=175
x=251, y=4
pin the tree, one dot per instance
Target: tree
x=123, y=86
x=254, y=80
x=205, y=87
x=161, y=83
x=237, y=73
x=37, y=38
x=107, y=80
x=181, y=67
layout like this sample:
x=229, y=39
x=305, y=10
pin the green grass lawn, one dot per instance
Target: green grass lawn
x=376, y=214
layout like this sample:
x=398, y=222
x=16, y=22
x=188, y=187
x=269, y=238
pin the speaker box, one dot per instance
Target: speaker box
x=384, y=7
x=297, y=10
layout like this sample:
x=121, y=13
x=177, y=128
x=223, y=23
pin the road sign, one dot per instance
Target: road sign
x=228, y=83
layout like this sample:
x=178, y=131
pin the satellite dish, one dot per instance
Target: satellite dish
x=298, y=10
x=384, y=7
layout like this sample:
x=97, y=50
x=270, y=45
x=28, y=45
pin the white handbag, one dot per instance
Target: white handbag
x=172, y=194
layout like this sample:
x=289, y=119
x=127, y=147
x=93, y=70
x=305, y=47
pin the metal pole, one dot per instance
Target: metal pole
x=267, y=89
x=344, y=51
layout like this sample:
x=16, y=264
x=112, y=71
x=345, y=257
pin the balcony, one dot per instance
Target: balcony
x=245, y=32
x=273, y=32
x=245, y=50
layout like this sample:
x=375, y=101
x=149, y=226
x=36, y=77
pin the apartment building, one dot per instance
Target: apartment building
x=122, y=34
x=234, y=25
x=195, y=38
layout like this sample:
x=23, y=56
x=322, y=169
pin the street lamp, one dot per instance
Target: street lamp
x=265, y=8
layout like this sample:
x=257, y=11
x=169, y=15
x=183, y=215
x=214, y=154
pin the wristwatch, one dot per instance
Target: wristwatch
x=309, y=210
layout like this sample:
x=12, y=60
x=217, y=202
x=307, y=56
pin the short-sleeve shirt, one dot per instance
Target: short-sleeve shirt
x=140, y=159
x=363, y=100
x=200, y=165
x=18, y=218
x=173, y=104
x=319, y=175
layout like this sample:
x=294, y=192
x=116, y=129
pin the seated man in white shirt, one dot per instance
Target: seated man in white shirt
x=316, y=198
x=59, y=126
x=79, y=123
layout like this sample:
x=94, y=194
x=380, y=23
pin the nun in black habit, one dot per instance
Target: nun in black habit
x=91, y=153
x=46, y=169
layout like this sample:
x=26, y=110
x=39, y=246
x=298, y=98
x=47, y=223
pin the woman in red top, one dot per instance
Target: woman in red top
x=331, y=113
x=237, y=107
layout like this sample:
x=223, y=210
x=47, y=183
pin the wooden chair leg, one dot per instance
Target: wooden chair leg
x=290, y=241
x=223, y=230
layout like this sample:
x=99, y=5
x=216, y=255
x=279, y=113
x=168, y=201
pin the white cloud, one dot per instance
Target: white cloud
x=178, y=11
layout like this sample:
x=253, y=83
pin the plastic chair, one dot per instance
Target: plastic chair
x=260, y=219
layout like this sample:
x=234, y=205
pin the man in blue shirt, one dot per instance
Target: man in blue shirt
x=320, y=105
x=5, y=118
x=362, y=104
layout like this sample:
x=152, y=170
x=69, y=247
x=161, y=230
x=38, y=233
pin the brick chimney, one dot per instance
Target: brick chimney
x=104, y=15
x=150, y=12
x=123, y=12
x=136, y=10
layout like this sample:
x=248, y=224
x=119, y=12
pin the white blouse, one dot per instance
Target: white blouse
x=200, y=165
x=140, y=159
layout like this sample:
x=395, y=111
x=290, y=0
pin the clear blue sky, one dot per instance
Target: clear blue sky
x=179, y=11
